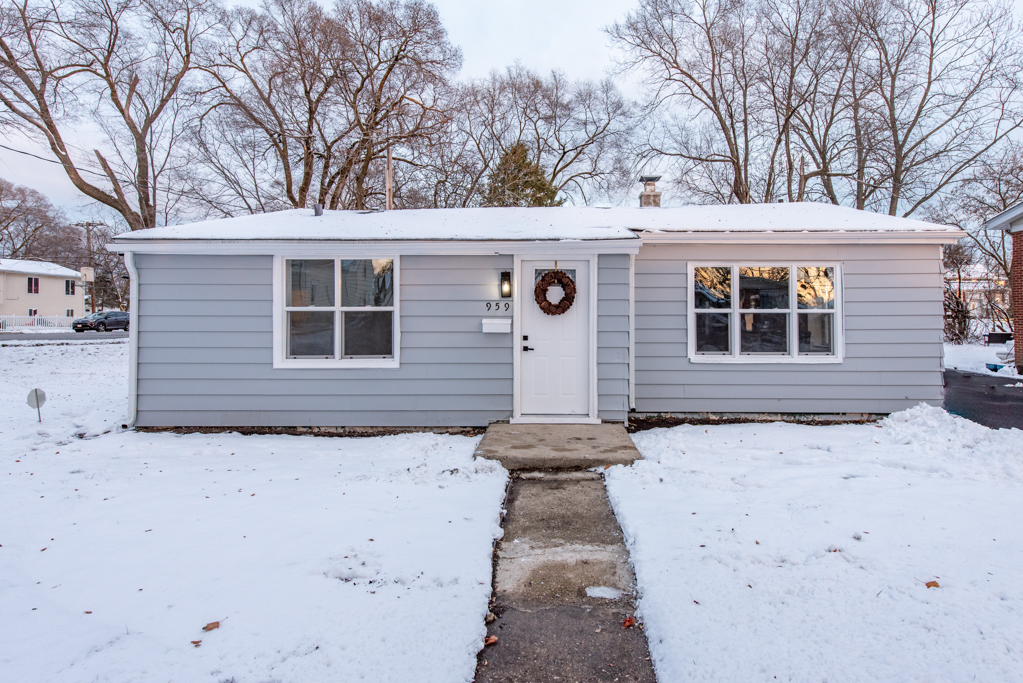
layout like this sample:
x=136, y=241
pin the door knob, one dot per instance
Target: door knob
x=528, y=348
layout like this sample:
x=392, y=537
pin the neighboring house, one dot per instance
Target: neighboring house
x=39, y=288
x=397, y=318
x=1011, y=221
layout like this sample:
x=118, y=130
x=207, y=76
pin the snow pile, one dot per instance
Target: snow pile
x=804, y=553
x=322, y=559
x=974, y=358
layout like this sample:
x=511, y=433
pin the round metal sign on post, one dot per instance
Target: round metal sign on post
x=36, y=398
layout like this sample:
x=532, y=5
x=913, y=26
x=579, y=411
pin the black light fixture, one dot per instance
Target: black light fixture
x=505, y=284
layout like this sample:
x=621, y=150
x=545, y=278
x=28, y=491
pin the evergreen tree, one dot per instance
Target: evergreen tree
x=518, y=181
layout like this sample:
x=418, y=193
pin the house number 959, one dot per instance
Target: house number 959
x=498, y=306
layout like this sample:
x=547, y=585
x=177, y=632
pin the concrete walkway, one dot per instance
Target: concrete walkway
x=563, y=584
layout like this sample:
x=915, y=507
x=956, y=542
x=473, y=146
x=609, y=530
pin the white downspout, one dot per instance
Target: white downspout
x=133, y=338
x=632, y=332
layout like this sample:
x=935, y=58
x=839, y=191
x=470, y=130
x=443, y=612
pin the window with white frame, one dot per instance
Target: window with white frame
x=33, y=312
x=338, y=309
x=69, y=287
x=764, y=312
x=69, y=313
x=33, y=285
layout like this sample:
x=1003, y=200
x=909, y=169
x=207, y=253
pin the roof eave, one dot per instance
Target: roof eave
x=1004, y=220
x=949, y=236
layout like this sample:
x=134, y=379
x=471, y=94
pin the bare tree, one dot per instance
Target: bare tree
x=123, y=64
x=879, y=104
x=309, y=101
x=577, y=131
x=28, y=222
x=702, y=60
x=943, y=77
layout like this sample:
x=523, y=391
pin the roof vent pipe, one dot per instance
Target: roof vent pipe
x=650, y=197
x=317, y=209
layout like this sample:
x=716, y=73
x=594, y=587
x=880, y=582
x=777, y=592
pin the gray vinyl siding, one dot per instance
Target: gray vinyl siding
x=205, y=354
x=893, y=335
x=613, y=336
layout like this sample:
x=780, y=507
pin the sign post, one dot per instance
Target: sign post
x=36, y=398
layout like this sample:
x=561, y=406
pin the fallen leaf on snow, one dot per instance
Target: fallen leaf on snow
x=490, y=640
x=932, y=584
x=210, y=626
x=197, y=643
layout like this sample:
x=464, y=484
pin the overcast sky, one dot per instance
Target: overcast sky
x=541, y=34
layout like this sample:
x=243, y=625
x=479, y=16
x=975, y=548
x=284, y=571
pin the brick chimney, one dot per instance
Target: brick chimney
x=650, y=197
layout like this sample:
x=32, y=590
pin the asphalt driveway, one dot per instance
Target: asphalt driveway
x=984, y=398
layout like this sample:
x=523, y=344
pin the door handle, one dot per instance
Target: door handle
x=527, y=348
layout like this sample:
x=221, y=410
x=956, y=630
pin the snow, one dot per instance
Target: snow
x=605, y=592
x=36, y=268
x=803, y=553
x=323, y=559
x=975, y=357
x=538, y=223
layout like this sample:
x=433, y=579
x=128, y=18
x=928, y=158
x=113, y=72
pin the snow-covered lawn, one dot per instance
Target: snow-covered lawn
x=785, y=552
x=975, y=357
x=323, y=559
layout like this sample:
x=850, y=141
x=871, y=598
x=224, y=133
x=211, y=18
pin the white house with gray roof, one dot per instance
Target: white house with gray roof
x=444, y=317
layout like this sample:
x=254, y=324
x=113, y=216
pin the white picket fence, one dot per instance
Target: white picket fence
x=20, y=323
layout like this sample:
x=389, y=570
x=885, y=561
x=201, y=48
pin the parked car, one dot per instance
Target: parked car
x=102, y=321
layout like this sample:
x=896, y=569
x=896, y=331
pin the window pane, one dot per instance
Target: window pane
x=310, y=334
x=816, y=333
x=368, y=334
x=815, y=287
x=764, y=332
x=712, y=334
x=764, y=287
x=713, y=287
x=310, y=283
x=367, y=282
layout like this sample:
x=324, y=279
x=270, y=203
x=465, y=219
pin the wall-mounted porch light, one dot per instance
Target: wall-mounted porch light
x=505, y=284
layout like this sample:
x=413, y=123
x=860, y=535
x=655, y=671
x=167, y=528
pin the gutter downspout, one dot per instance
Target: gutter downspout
x=133, y=338
x=632, y=333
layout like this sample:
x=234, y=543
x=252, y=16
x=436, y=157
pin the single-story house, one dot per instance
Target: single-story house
x=1011, y=221
x=40, y=288
x=448, y=317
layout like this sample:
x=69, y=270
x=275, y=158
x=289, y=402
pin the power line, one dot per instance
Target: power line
x=86, y=170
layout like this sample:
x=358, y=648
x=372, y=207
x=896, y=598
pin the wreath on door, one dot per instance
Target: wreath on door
x=546, y=281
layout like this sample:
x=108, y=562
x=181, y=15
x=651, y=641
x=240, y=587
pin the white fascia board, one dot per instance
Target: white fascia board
x=1010, y=220
x=396, y=247
x=807, y=237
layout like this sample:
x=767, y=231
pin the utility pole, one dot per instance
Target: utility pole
x=88, y=226
x=389, y=180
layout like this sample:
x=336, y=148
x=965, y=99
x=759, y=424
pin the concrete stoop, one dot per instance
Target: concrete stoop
x=543, y=446
x=563, y=583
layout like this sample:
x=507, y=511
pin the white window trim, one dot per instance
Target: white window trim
x=793, y=357
x=280, y=328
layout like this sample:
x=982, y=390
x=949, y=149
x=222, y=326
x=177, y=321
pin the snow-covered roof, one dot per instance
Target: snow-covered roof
x=532, y=224
x=36, y=268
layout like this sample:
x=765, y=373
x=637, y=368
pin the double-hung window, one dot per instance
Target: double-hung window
x=33, y=285
x=764, y=313
x=69, y=287
x=336, y=312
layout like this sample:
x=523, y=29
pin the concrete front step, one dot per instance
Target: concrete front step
x=546, y=446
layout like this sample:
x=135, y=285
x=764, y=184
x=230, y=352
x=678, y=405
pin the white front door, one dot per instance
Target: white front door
x=555, y=349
